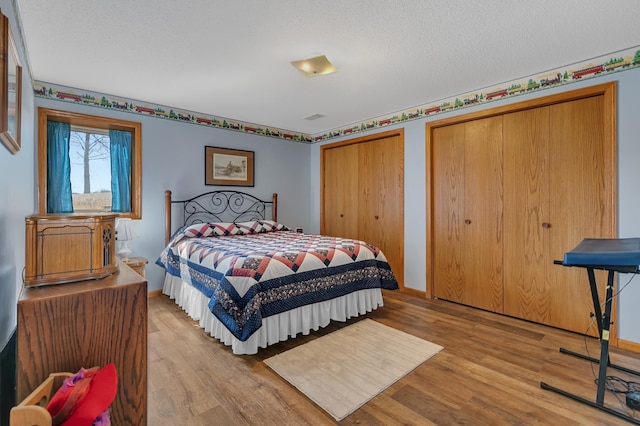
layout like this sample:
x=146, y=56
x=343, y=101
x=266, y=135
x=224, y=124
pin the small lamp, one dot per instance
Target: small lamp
x=124, y=234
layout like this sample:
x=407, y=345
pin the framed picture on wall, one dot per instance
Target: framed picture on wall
x=228, y=167
x=11, y=86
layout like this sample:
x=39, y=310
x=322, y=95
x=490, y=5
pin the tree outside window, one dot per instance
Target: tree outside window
x=89, y=153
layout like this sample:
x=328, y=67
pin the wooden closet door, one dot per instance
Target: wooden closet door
x=555, y=197
x=447, y=168
x=483, y=212
x=381, y=198
x=527, y=217
x=340, y=188
x=580, y=206
x=363, y=193
x=559, y=165
x=467, y=166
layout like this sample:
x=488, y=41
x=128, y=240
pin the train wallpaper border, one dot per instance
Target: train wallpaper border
x=614, y=62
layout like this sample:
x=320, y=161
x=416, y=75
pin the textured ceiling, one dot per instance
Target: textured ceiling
x=232, y=59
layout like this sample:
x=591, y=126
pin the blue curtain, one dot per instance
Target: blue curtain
x=58, y=168
x=120, y=171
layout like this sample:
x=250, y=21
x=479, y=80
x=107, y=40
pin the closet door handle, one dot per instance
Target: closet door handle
x=546, y=225
x=468, y=221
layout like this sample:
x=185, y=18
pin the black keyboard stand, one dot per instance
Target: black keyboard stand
x=604, y=324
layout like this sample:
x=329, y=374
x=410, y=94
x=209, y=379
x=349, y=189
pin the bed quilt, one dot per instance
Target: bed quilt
x=255, y=270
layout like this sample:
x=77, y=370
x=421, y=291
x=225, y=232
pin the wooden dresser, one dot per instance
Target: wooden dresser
x=64, y=327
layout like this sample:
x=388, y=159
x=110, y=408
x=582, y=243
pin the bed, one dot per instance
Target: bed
x=251, y=282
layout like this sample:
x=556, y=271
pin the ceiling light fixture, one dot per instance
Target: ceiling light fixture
x=312, y=67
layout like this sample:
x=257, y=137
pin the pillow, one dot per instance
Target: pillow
x=270, y=225
x=220, y=229
x=212, y=230
x=253, y=227
x=260, y=226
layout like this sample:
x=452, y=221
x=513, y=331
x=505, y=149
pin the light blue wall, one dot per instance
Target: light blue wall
x=415, y=191
x=173, y=158
x=17, y=198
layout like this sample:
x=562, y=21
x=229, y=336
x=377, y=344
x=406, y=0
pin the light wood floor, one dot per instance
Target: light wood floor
x=489, y=373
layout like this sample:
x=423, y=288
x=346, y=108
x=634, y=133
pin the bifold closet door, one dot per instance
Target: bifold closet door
x=340, y=200
x=381, y=198
x=363, y=193
x=527, y=217
x=580, y=206
x=555, y=196
x=467, y=213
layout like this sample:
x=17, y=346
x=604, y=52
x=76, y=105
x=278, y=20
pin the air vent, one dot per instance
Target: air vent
x=314, y=117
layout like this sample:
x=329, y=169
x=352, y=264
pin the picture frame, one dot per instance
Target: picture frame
x=11, y=86
x=228, y=167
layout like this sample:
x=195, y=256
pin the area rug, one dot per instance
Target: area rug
x=343, y=370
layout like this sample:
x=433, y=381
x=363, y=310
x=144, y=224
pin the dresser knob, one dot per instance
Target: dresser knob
x=467, y=221
x=546, y=225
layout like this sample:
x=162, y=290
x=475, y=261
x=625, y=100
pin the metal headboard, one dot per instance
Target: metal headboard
x=219, y=206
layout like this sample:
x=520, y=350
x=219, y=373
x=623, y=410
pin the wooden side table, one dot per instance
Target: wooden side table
x=137, y=264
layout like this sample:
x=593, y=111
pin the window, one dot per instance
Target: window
x=90, y=173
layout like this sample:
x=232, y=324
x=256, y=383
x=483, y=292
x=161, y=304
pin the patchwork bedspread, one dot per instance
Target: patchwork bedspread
x=255, y=270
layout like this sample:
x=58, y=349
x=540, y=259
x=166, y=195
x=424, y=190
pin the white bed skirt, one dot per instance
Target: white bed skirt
x=275, y=328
